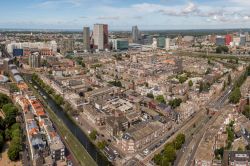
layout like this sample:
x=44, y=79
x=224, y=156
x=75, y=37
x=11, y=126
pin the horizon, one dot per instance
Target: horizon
x=115, y=30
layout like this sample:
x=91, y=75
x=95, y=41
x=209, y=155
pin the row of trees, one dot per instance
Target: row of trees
x=79, y=61
x=236, y=94
x=10, y=130
x=160, y=98
x=116, y=83
x=168, y=155
x=222, y=49
x=230, y=134
x=58, y=98
x=246, y=111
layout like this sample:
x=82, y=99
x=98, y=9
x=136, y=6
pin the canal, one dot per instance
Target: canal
x=74, y=128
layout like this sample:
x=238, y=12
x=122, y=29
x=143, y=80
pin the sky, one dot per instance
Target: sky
x=123, y=14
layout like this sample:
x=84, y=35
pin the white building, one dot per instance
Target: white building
x=167, y=44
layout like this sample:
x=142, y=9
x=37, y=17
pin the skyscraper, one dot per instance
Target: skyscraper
x=86, y=39
x=167, y=43
x=228, y=39
x=135, y=34
x=100, y=36
x=161, y=42
x=35, y=60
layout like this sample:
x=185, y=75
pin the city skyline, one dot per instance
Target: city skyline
x=74, y=14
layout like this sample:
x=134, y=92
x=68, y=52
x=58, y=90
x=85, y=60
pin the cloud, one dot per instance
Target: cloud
x=190, y=8
x=137, y=17
x=56, y=3
x=108, y=18
x=83, y=17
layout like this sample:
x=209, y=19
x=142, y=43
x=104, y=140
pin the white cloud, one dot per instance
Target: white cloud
x=55, y=3
x=108, y=18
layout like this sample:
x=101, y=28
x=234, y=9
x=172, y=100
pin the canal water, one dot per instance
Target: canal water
x=75, y=129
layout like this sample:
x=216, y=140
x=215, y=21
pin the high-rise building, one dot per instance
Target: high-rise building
x=167, y=43
x=35, y=60
x=161, y=42
x=86, y=39
x=100, y=36
x=220, y=41
x=242, y=40
x=247, y=36
x=119, y=44
x=228, y=39
x=67, y=45
x=135, y=34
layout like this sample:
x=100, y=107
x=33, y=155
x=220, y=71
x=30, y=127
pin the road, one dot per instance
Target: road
x=186, y=155
x=180, y=129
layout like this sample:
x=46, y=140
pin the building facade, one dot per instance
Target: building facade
x=135, y=34
x=35, y=60
x=100, y=36
x=86, y=39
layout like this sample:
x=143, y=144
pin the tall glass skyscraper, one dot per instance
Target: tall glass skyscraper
x=135, y=34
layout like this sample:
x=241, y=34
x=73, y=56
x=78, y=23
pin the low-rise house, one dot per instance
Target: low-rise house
x=187, y=109
x=93, y=115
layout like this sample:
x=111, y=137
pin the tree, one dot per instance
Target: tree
x=175, y=103
x=222, y=49
x=190, y=83
x=89, y=89
x=150, y=95
x=169, y=154
x=101, y=144
x=2, y=124
x=201, y=86
x=160, y=99
x=246, y=111
x=157, y=159
x=219, y=153
x=116, y=83
x=4, y=99
x=14, y=88
x=179, y=141
x=7, y=134
x=1, y=141
x=93, y=134
x=235, y=96
x=13, y=152
x=224, y=86
x=182, y=78
x=229, y=79
x=248, y=147
x=209, y=61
